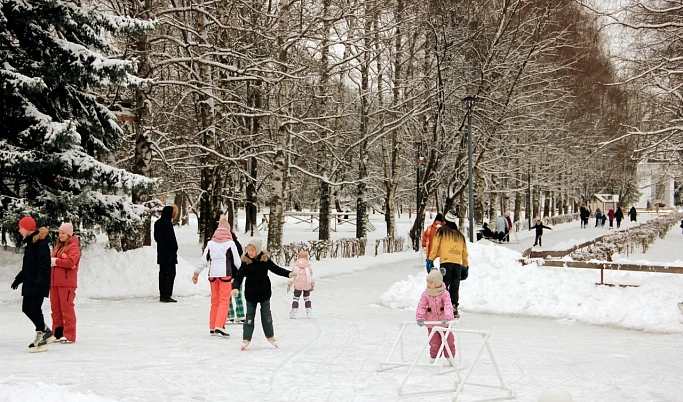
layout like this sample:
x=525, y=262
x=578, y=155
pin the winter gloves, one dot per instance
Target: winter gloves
x=53, y=261
x=292, y=274
x=421, y=323
x=16, y=284
x=235, y=293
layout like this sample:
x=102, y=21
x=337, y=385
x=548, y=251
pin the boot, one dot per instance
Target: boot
x=292, y=314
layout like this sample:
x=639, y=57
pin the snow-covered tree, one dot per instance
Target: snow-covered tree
x=56, y=133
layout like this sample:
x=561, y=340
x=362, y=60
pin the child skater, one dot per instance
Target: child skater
x=222, y=257
x=303, y=282
x=257, y=289
x=435, y=305
x=539, y=232
x=236, y=313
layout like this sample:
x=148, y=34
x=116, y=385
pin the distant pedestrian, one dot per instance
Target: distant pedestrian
x=632, y=214
x=610, y=216
x=598, y=217
x=167, y=253
x=428, y=239
x=509, y=226
x=35, y=277
x=501, y=227
x=539, y=232
x=618, y=216
x=584, y=214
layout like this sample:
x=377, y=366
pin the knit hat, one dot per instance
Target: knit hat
x=451, y=216
x=257, y=242
x=435, y=277
x=68, y=228
x=223, y=222
x=27, y=223
x=439, y=217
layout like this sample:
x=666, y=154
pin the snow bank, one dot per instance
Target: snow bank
x=37, y=391
x=499, y=284
x=108, y=274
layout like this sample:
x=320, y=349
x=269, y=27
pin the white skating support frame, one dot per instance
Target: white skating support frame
x=459, y=384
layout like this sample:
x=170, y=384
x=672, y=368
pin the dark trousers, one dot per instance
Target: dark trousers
x=32, y=306
x=538, y=240
x=266, y=320
x=166, y=279
x=452, y=280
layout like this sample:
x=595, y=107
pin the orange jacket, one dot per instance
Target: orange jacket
x=428, y=236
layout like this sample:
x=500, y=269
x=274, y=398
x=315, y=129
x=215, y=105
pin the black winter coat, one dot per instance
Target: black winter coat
x=539, y=229
x=632, y=213
x=164, y=235
x=257, y=286
x=35, y=269
x=618, y=215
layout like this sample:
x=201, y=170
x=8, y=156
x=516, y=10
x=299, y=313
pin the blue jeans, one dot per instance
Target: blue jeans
x=430, y=265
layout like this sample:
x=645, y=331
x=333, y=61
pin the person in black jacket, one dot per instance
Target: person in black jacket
x=257, y=290
x=35, y=277
x=167, y=253
x=619, y=215
x=632, y=214
x=584, y=214
x=236, y=312
x=539, y=232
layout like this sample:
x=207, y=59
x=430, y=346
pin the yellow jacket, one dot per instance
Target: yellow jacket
x=453, y=251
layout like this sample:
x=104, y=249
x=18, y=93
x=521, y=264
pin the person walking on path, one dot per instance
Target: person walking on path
x=584, y=214
x=539, y=232
x=236, y=313
x=501, y=227
x=254, y=270
x=428, y=239
x=618, y=216
x=509, y=226
x=451, y=248
x=223, y=258
x=167, y=253
x=610, y=216
x=632, y=213
x=34, y=279
x=598, y=217
x=66, y=257
x=304, y=283
x=435, y=305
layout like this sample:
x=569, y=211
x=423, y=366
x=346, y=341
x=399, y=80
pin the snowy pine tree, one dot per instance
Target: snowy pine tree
x=55, y=132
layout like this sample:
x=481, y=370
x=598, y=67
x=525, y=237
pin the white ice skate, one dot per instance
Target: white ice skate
x=309, y=312
x=292, y=314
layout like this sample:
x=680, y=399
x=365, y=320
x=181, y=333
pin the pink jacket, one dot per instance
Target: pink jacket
x=65, y=271
x=304, y=275
x=434, y=308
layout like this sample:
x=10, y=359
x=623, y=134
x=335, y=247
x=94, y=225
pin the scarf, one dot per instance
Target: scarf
x=302, y=263
x=436, y=291
x=221, y=235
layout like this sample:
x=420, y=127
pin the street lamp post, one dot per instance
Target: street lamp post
x=418, y=226
x=469, y=101
x=528, y=204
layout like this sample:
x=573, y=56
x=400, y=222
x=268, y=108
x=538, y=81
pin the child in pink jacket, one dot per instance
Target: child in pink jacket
x=435, y=305
x=303, y=282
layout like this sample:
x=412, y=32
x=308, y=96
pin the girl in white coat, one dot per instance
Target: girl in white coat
x=222, y=257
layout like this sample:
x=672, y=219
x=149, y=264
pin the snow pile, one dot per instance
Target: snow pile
x=35, y=391
x=499, y=284
x=108, y=274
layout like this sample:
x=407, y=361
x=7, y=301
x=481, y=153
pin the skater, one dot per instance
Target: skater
x=303, y=282
x=618, y=216
x=222, y=256
x=254, y=272
x=428, y=239
x=167, y=253
x=632, y=213
x=610, y=216
x=35, y=277
x=539, y=232
x=236, y=312
x=584, y=214
x=450, y=246
x=435, y=305
x=66, y=256
x=598, y=217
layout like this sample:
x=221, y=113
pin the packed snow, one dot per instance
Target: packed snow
x=552, y=327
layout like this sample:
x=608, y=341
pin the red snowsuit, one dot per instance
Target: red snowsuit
x=64, y=281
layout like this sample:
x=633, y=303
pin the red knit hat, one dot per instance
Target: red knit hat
x=27, y=223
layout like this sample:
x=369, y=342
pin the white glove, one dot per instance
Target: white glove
x=235, y=293
x=53, y=262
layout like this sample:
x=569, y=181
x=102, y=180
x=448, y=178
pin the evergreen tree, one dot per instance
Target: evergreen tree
x=56, y=135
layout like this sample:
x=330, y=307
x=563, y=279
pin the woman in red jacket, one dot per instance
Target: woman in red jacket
x=65, y=258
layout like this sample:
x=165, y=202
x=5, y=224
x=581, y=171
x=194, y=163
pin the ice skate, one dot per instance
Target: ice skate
x=451, y=361
x=220, y=332
x=680, y=307
x=292, y=314
x=273, y=342
x=49, y=336
x=39, y=344
x=309, y=312
x=432, y=360
x=456, y=314
x=244, y=344
x=64, y=341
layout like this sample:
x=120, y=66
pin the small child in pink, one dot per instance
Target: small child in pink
x=303, y=283
x=435, y=305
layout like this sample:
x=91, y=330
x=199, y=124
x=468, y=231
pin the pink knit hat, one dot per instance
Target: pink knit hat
x=68, y=228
